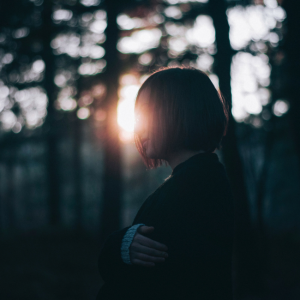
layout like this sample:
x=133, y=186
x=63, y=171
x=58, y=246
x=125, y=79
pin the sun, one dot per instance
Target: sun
x=125, y=109
x=126, y=115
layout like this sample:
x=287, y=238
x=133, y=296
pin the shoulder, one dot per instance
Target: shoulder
x=201, y=178
x=196, y=180
x=207, y=190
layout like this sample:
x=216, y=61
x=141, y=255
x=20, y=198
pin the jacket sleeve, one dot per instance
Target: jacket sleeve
x=110, y=261
x=113, y=260
x=114, y=257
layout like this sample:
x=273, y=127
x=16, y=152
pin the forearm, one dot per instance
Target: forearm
x=114, y=255
x=110, y=262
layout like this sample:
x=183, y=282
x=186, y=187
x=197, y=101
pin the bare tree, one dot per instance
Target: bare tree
x=245, y=267
x=291, y=48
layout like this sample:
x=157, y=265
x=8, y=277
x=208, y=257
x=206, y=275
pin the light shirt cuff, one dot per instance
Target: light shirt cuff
x=126, y=242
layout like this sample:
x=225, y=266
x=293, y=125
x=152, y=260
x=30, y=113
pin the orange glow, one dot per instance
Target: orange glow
x=127, y=94
x=100, y=115
x=126, y=137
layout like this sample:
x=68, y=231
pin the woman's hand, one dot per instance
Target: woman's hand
x=144, y=251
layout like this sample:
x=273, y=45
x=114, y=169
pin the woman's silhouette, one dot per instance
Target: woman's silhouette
x=180, y=243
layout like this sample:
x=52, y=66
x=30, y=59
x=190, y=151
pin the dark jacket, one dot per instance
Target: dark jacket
x=192, y=214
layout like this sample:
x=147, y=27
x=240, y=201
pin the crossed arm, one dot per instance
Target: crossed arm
x=136, y=249
x=110, y=262
x=197, y=235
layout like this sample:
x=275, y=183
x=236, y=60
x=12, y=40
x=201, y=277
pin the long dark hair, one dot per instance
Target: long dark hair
x=187, y=112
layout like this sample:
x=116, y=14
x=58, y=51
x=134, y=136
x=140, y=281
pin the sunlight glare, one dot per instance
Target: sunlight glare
x=173, y=12
x=175, y=29
x=7, y=58
x=92, y=68
x=145, y=59
x=249, y=76
x=125, y=109
x=184, y=1
x=205, y=61
x=253, y=23
x=65, y=100
x=177, y=45
x=62, y=15
x=83, y=113
x=33, y=103
x=140, y=41
x=203, y=32
x=90, y=2
x=280, y=108
x=98, y=26
x=8, y=119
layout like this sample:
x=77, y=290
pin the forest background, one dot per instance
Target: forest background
x=69, y=170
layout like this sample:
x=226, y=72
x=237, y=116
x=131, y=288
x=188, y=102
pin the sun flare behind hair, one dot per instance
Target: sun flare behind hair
x=186, y=112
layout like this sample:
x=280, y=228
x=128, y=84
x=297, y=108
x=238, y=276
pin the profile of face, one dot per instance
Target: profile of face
x=143, y=127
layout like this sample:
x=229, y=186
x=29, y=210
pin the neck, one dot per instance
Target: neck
x=177, y=158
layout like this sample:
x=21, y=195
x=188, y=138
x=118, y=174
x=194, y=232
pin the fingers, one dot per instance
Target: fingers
x=151, y=243
x=145, y=229
x=147, y=258
x=145, y=251
x=139, y=248
x=142, y=263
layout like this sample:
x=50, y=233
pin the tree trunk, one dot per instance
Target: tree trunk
x=112, y=181
x=50, y=123
x=77, y=167
x=10, y=195
x=291, y=48
x=245, y=282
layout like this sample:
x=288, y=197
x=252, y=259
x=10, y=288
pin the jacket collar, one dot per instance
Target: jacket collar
x=197, y=161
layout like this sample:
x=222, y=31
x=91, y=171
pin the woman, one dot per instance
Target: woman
x=180, y=243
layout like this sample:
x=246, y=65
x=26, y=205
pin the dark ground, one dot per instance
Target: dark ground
x=63, y=266
x=49, y=266
x=282, y=279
